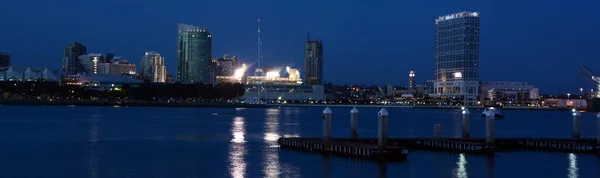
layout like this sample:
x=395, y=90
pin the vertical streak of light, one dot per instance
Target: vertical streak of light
x=461, y=169
x=93, y=160
x=573, y=169
x=270, y=164
x=237, y=149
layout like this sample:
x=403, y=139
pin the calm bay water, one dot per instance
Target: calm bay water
x=102, y=142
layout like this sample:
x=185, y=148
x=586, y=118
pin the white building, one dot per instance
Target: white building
x=27, y=74
x=285, y=92
x=512, y=91
x=153, y=65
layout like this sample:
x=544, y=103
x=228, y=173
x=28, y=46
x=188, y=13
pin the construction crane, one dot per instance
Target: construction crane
x=590, y=77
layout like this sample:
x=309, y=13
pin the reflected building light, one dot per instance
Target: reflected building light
x=93, y=159
x=461, y=167
x=238, y=130
x=237, y=149
x=270, y=161
x=290, y=135
x=573, y=169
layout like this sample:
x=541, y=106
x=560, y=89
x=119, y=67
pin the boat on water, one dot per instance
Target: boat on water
x=498, y=114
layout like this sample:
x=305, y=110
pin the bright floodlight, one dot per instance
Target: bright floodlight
x=457, y=75
x=272, y=74
x=287, y=69
x=239, y=73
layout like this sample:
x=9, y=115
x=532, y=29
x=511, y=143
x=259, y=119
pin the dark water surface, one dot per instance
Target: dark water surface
x=101, y=142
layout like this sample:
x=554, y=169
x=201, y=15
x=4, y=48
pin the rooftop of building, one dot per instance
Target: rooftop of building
x=191, y=28
x=456, y=15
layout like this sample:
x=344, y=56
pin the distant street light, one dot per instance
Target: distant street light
x=580, y=92
x=569, y=95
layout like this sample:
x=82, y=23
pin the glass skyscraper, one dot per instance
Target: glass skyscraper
x=194, y=54
x=456, y=62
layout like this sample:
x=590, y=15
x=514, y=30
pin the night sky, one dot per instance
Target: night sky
x=365, y=42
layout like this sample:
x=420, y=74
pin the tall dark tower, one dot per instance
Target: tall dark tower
x=456, y=61
x=71, y=63
x=194, y=55
x=313, y=62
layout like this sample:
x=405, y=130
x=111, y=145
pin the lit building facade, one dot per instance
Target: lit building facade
x=27, y=74
x=4, y=59
x=194, y=54
x=313, y=62
x=71, y=64
x=153, y=66
x=226, y=66
x=456, y=62
x=411, y=81
x=120, y=67
x=509, y=92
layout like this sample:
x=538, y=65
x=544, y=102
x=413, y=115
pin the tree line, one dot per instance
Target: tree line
x=31, y=90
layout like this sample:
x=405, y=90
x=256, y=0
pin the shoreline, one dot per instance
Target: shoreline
x=413, y=107
x=112, y=103
x=238, y=105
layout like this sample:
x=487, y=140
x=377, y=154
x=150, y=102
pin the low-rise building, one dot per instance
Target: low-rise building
x=27, y=74
x=512, y=92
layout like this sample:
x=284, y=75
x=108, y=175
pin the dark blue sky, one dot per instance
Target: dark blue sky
x=370, y=42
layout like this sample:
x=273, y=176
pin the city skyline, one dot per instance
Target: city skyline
x=503, y=47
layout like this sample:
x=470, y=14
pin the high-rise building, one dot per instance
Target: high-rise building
x=313, y=62
x=411, y=81
x=456, y=62
x=226, y=66
x=71, y=63
x=4, y=59
x=429, y=86
x=153, y=66
x=194, y=54
x=120, y=67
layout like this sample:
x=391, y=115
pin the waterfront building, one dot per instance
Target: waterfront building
x=153, y=66
x=120, y=67
x=285, y=92
x=226, y=66
x=11, y=73
x=456, y=62
x=313, y=62
x=71, y=64
x=194, y=54
x=411, y=81
x=102, y=81
x=508, y=92
x=429, y=86
x=4, y=59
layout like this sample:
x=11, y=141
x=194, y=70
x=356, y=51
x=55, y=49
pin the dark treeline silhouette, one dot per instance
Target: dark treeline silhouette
x=155, y=91
x=35, y=90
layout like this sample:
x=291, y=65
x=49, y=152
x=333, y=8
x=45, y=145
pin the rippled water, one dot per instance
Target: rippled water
x=99, y=142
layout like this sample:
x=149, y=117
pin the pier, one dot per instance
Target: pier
x=383, y=148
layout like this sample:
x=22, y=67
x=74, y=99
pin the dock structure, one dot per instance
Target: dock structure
x=346, y=148
x=383, y=148
x=379, y=151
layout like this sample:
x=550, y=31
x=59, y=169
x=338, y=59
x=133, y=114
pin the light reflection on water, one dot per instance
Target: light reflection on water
x=573, y=169
x=237, y=149
x=93, y=159
x=461, y=167
x=270, y=164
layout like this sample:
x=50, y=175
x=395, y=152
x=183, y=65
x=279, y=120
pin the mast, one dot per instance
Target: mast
x=259, y=68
